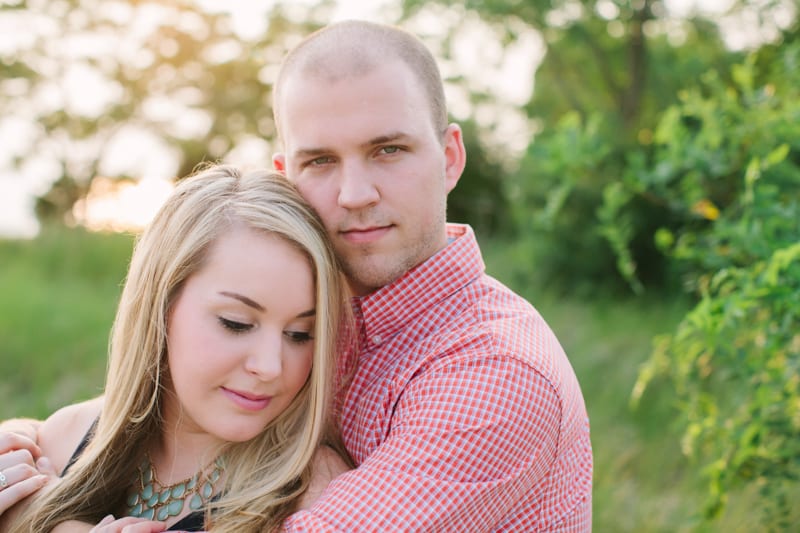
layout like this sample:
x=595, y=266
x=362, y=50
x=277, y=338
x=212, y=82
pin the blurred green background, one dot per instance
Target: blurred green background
x=633, y=170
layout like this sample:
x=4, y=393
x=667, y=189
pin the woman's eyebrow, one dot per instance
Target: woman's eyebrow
x=244, y=299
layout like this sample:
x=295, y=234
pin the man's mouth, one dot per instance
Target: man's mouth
x=365, y=234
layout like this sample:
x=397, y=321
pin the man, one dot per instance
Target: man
x=462, y=411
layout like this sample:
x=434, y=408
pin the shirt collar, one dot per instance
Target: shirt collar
x=385, y=311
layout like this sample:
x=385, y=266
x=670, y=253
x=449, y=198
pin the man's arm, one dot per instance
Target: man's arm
x=467, y=442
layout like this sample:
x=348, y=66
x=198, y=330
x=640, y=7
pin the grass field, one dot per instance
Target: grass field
x=58, y=300
x=59, y=294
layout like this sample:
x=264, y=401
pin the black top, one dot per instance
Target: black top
x=191, y=522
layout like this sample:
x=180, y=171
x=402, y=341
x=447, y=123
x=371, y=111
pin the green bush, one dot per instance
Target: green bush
x=554, y=195
x=734, y=363
x=727, y=162
x=707, y=203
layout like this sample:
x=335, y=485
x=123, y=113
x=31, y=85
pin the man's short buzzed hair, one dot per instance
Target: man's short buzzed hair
x=354, y=48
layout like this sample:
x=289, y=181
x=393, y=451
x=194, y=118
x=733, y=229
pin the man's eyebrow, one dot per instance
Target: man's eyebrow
x=388, y=138
x=380, y=139
x=244, y=299
x=310, y=152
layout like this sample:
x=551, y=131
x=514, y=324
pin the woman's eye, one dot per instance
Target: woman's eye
x=390, y=149
x=234, y=326
x=299, y=337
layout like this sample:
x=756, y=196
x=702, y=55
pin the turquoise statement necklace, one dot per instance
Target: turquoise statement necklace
x=151, y=499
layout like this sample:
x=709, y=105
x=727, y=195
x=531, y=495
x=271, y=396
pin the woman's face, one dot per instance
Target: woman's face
x=240, y=337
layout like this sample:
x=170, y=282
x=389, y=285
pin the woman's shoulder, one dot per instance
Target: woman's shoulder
x=326, y=465
x=328, y=459
x=61, y=433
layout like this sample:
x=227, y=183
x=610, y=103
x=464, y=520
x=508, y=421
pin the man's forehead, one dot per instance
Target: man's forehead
x=342, y=54
x=331, y=75
x=318, y=112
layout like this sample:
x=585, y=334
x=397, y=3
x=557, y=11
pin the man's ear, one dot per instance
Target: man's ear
x=279, y=163
x=455, y=156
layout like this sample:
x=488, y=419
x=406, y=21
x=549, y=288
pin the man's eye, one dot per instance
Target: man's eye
x=234, y=326
x=390, y=149
x=299, y=337
x=319, y=161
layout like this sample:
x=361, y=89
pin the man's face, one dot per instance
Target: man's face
x=364, y=153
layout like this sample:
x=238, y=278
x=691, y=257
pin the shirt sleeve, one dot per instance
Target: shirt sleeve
x=468, y=439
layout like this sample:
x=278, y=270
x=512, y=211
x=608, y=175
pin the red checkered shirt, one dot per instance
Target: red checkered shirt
x=464, y=413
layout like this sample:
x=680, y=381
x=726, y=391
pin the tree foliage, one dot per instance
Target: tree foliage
x=171, y=82
x=609, y=70
x=175, y=84
x=727, y=161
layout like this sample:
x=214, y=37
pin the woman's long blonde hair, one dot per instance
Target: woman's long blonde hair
x=264, y=477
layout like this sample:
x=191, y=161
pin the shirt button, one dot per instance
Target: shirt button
x=376, y=339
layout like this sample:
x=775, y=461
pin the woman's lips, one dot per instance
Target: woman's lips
x=247, y=401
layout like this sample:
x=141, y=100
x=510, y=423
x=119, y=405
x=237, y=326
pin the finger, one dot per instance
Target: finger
x=20, y=490
x=148, y=526
x=128, y=524
x=46, y=467
x=16, y=473
x=27, y=427
x=14, y=441
x=107, y=520
x=16, y=457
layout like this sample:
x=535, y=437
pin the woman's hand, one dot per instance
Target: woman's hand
x=23, y=470
x=110, y=524
x=128, y=524
x=27, y=427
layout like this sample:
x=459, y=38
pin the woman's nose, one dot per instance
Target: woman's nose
x=265, y=358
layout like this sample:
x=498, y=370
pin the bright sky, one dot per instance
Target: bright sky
x=130, y=205
x=125, y=205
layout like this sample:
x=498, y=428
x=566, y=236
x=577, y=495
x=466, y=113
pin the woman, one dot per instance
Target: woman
x=19, y=469
x=220, y=370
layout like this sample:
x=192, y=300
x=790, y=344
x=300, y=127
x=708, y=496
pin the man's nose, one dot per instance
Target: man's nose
x=357, y=186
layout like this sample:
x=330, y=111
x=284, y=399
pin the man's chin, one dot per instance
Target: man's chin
x=366, y=276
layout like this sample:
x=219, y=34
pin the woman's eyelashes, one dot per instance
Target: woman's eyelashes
x=234, y=326
x=299, y=337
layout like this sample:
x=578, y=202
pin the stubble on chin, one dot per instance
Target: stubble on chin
x=369, y=272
